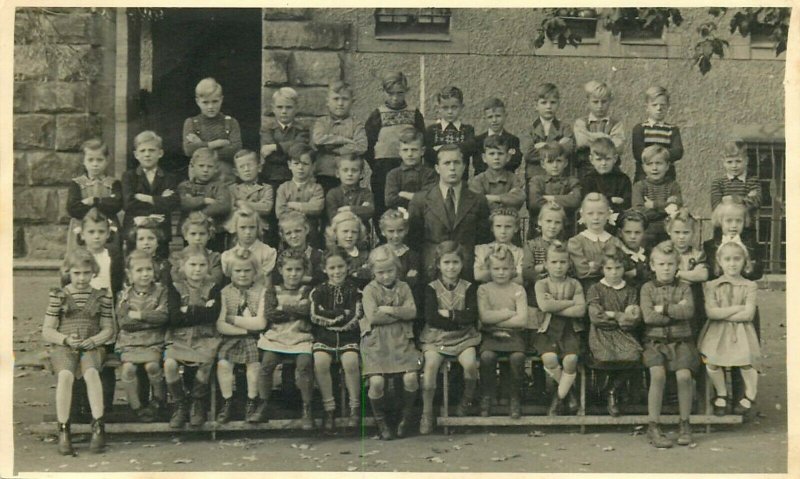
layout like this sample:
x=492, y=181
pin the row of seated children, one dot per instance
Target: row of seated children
x=79, y=325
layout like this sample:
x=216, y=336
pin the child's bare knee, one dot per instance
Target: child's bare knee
x=376, y=384
x=550, y=360
x=152, y=368
x=684, y=376
x=658, y=375
x=128, y=371
x=410, y=382
x=66, y=377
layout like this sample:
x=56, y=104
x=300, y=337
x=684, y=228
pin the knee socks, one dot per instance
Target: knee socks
x=565, y=383
x=718, y=380
x=750, y=378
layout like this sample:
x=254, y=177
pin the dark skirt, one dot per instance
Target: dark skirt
x=560, y=338
x=239, y=350
x=504, y=340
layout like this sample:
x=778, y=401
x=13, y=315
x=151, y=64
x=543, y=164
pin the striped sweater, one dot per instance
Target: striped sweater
x=721, y=187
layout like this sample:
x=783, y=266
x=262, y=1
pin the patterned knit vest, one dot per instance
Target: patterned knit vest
x=82, y=321
x=452, y=300
x=393, y=122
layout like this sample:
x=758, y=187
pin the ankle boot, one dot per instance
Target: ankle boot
x=179, y=413
x=98, y=441
x=515, y=407
x=260, y=414
x=198, y=409
x=379, y=411
x=64, y=439
x=307, y=420
x=251, y=409
x=486, y=405
x=611, y=400
x=329, y=422
x=556, y=404
x=573, y=404
x=224, y=415
x=426, y=423
x=684, y=433
x=355, y=417
x=656, y=437
x=464, y=407
x=409, y=399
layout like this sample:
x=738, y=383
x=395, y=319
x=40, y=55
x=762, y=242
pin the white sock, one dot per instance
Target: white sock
x=554, y=373
x=718, y=380
x=94, y=389
x=565, y=384
x=750, y=378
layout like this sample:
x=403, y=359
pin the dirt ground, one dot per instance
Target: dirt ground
x=756, y=447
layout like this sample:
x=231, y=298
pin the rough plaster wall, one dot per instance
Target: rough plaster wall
x=500, y=63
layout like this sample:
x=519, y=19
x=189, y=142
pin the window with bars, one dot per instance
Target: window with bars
x=412, y=23
x=766, y=161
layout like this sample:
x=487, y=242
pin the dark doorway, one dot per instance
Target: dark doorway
x=190, y=44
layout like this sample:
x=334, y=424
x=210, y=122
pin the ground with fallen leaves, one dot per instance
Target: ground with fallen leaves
x=556, y=449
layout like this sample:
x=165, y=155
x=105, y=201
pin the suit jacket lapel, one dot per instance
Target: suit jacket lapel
x=465, y=203
x=555, y=130
x=538, y=129
x=436, y=205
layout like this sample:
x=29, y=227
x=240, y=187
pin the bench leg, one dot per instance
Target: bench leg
x=445, y=393
x=342, y=397
x=582, y=408
x=212, y=379
x=709, y=394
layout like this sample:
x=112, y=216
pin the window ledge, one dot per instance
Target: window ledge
x=415, y=38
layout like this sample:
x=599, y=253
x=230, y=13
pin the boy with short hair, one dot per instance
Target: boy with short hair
x=448, y=211
x=249, y=192
x=336, y=134
x=149, y=190
x=350, y=195
x=598, y=123
x=212, y=129
x=205, y=193
x=278, y=134
x=604, y=178
x=655, y=131
x=736, y=182
x=450, y=130
x=554, y=186
x=403, y=182
x=656, y=196
x=302, y=193
x=502, y=188
x=546, y=127
x=494, y=112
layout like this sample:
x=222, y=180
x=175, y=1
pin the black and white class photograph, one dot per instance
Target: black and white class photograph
x=413, y=240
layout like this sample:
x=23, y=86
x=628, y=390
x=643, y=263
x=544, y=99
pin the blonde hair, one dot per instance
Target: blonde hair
x=748, y=265
x=198, y=218
x=246, y=213
x=596, y=89
x=147, y=136
x=681, y=216
x=343, y=217
x=653, y=152
x=727, y=207
x=204, y=153
x=239, y=256
x=392, y=214
x=207, y=87
x=79, y=257
x=381, y=255
x=734, y=148
x=654, y=92
x=286, y=93
x=502, y=253
x=594, y=197
x=667, y=249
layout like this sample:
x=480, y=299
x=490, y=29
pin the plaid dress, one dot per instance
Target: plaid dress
x=241, y=349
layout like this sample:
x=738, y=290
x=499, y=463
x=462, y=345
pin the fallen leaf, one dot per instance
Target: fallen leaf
x=692, y=445
x=464, y=468
x=586, y=463
x=104, y=463
x=182, y=461
x=343, y=453
x=457, y=447
x=370, y=453
x=351, y=468
x=436, y=459
x=778, y=406
x=22, y=374
x=157, y=463
x=608, y=448
x=93, y=465
x=381, y=462
x=249, y=458
x=304, y=446
x=134, y=461
x=716, y=449
x=62, y=466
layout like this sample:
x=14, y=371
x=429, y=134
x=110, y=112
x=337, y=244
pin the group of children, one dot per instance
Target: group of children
x=280, y=263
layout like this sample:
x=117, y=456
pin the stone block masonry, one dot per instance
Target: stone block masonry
x=56, y=82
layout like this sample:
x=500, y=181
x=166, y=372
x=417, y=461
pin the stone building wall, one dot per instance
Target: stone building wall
x=57, y=106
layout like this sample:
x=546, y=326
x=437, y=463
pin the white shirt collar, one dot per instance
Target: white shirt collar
x=298, y=184
x=284, y=126
x=353, y=252
x=742, y=177
x=617, y=287
x=491, y=132
x=456, y=124
x=604, y=236
x=651, y=122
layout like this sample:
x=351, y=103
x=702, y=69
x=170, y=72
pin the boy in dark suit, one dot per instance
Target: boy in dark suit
x=448, y=211
x=546, y=127
x=450, y=130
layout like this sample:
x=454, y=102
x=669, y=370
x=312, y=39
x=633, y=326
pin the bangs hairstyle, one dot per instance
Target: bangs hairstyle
x=748, y=265
x=595, y=197
x=492, y=104
x=632, y=216
x=286, y=93
x=603, y=146
x=340, y=86
x=299, y=149
x=354, y=158
x=204, y=154
x=392, y=214
x=665, y=248
x=612, y=253
x=681, y=216
x=147, y=136
x=654, y=152
x=139, y=255
x=381, y=255
x=503, y=254
x=596, y=89
x=245, y=213
x=497, y=212
x=194, y=252
x=546, y=91
x=200, y=219
x=728, y=207
x=551, y=149
x=393, y=79
x=654, y=92
x=77, y=258
x=150, y=225
x=734, y=148
x=448, y=247
x=556, y=246
x=496, y=142
x=293, y=216
x=246, y=154
x=449, y=92
x=239, y=256
x=292, y=255
x=552, y=207
x=411, y=135
x=207, y=87
x=95, y=216
x=333, y=252
x=95, y=144
x=343, y=217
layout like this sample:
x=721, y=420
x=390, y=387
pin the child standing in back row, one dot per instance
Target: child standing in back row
x=546, y=127
x=384, y=127
x=450, y=130
x=656, y=196
x=205, y=193
x=655, y=131
x=302, y=193
x=212, y=129
x=494, y=112
x=596, y=125
x=502, y=188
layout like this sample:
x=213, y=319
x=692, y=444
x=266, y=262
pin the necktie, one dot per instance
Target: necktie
x=450, y=203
